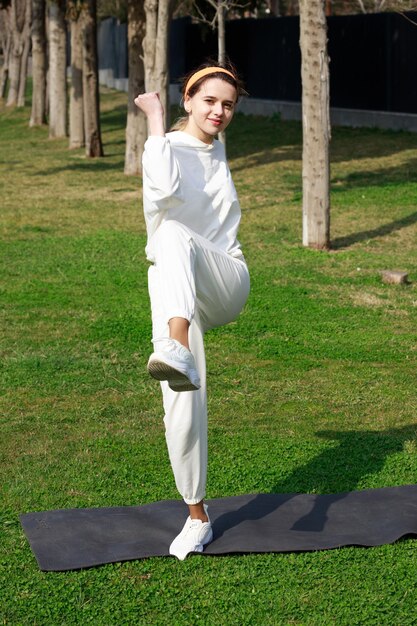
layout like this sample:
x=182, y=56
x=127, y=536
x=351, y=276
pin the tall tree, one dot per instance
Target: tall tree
x=93, y=143
x=5, y=44
x=155, y=47
x=76, y=101
x=39, y=63
x=20, y=26
x=216, y=18
x=57, y=79
x=222, y=6
x=316, y=124
x=136, y=121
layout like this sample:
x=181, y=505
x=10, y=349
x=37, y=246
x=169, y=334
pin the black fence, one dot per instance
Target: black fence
x=373, y=58
x=112, y=47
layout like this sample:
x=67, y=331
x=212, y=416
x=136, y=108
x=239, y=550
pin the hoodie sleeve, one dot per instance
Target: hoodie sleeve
x=161, y=173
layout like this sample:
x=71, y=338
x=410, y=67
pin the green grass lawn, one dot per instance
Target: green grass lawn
x=312, y=389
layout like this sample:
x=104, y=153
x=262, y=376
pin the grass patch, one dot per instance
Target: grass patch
x=312, y=389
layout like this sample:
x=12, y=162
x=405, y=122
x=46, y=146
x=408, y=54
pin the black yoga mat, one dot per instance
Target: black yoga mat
x=78, y=538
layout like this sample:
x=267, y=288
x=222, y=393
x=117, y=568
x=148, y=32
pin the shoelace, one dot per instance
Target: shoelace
x=194, y=523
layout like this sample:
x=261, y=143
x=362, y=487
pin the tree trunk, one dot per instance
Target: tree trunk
x=221, y=32
x=14, y=70
x=20, y=24
x=38, y=115
x=136, y=121
x=24, y=69
x=316, y=124
x=57, y=79
x=93, y=144
x=155, y=47
x=76, y=116
x=5, y=15
x=221, y=48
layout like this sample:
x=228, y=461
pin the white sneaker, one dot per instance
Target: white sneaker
x=174, y=363
x=193, y=537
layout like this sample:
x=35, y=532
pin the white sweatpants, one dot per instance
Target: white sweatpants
x=194, y=279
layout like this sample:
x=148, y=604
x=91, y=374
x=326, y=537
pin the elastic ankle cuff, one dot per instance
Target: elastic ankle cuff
x=180, y=313
x=193, y=500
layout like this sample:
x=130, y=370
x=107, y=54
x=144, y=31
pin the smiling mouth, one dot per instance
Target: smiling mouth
x=216, y=122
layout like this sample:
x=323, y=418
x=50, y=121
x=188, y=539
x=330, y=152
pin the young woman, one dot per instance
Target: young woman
x=198, y=278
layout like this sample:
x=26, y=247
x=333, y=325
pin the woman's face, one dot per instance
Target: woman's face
x=211, y=109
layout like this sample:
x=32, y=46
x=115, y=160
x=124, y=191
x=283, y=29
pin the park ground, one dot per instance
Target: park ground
x=312, y=389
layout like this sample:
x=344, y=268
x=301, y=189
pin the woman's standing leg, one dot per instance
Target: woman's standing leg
x=185, y=420
x=186, y=427
x=193, y=280
x=186, y=433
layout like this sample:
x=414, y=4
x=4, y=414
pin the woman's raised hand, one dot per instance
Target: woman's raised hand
x=149, y=103
x=152, y=107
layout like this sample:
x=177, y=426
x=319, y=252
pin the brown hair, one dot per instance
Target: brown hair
x=234, y=80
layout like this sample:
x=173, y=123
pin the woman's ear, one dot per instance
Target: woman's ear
x=187, y=104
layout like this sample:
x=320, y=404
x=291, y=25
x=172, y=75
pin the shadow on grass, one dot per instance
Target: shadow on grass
x=99, y=164
x=341, y=468
x=274, y=155
x=263, y=141
x=259, y=137
x=381, y=231
x=115, y=119
x=381, y=177
x=337, y=470
x=357, y=454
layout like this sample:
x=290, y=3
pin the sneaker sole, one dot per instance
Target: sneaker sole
x=176, y=379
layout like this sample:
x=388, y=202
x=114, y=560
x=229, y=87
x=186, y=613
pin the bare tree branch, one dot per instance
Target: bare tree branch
x=407, y=18
x=203, y=18
x=226, y=5
x=379, y=5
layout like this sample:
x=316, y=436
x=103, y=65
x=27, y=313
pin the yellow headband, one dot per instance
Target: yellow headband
x=207, y=70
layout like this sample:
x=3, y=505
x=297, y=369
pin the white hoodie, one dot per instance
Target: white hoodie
x=187, y=180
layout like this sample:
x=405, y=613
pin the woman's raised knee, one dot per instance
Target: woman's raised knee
x=173, y=229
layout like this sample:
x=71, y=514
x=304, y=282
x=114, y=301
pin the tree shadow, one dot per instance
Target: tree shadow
x=273, y=155
x=101, y=164
x=338, y=470
x=273, y=133
x=399, y=174
x=115, y=119
x=271, y=149
x=381, y=231
x=383, y=178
